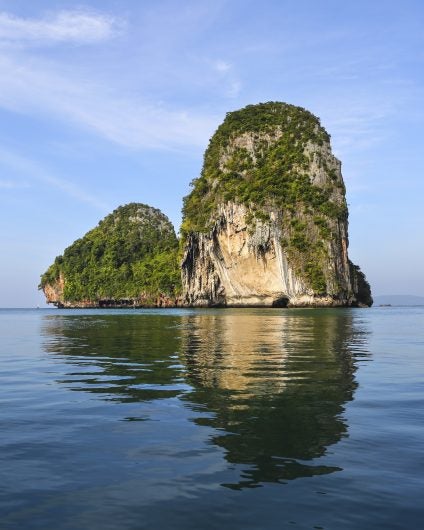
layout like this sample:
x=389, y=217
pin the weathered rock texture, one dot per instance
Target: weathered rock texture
x=128, y=260
x=266, y=222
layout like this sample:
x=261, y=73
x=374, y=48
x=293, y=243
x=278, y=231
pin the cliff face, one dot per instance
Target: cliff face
x=53, y=290
x=266, y=222
x=129, y=259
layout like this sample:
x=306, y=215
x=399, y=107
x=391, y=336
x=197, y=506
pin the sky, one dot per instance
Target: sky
x=108, y=102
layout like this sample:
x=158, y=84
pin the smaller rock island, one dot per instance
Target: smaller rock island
x=128, y=260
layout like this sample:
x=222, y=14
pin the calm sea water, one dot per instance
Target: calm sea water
x=212, y=419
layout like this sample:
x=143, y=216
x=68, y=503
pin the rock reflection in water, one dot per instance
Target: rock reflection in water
x=127, y=358
x=276, y=383
x=271, y=384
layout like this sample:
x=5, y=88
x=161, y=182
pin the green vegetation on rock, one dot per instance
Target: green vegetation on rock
x=278, y=175
x=131, y=254
x=261, y=157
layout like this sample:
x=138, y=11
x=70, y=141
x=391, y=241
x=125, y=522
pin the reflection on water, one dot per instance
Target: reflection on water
x=125, y=358
x=276, y=385
x=271, y=385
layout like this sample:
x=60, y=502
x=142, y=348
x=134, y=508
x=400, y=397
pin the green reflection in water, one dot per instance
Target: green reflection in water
x=125, y=358
x=271, y=384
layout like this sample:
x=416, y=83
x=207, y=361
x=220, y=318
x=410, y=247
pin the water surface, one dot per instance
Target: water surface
x=241, y=418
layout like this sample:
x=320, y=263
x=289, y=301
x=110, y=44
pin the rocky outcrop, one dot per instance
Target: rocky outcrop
x=269, y=239
x=233, y=265
x=128, y=260
x=53, y=290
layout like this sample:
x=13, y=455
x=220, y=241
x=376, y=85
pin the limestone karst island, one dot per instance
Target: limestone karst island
x=265, y=224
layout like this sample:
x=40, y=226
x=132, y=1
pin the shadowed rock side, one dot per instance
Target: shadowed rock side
x=128, y=260
x=266, y=222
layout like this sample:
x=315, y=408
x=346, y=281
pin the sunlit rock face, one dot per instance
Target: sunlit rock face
x=266, y=222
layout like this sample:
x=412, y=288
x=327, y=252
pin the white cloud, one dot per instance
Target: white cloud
x=66, y=26
x=39, y=88
x=77, y=95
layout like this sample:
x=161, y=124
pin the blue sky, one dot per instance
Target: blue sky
x=108, y=102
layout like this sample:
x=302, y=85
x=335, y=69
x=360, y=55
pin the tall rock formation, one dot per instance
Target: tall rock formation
x=129, y=259
x=266, y=222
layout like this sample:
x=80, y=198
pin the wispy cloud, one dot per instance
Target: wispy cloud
x=77, y=26
x=41, y=88
x=358, y=124
x=78, y=93
x=33, y=170
x=222, y=66
x=234, y=89
x=228, y=79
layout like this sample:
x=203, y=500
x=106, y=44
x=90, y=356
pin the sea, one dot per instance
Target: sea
x=212, y=419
